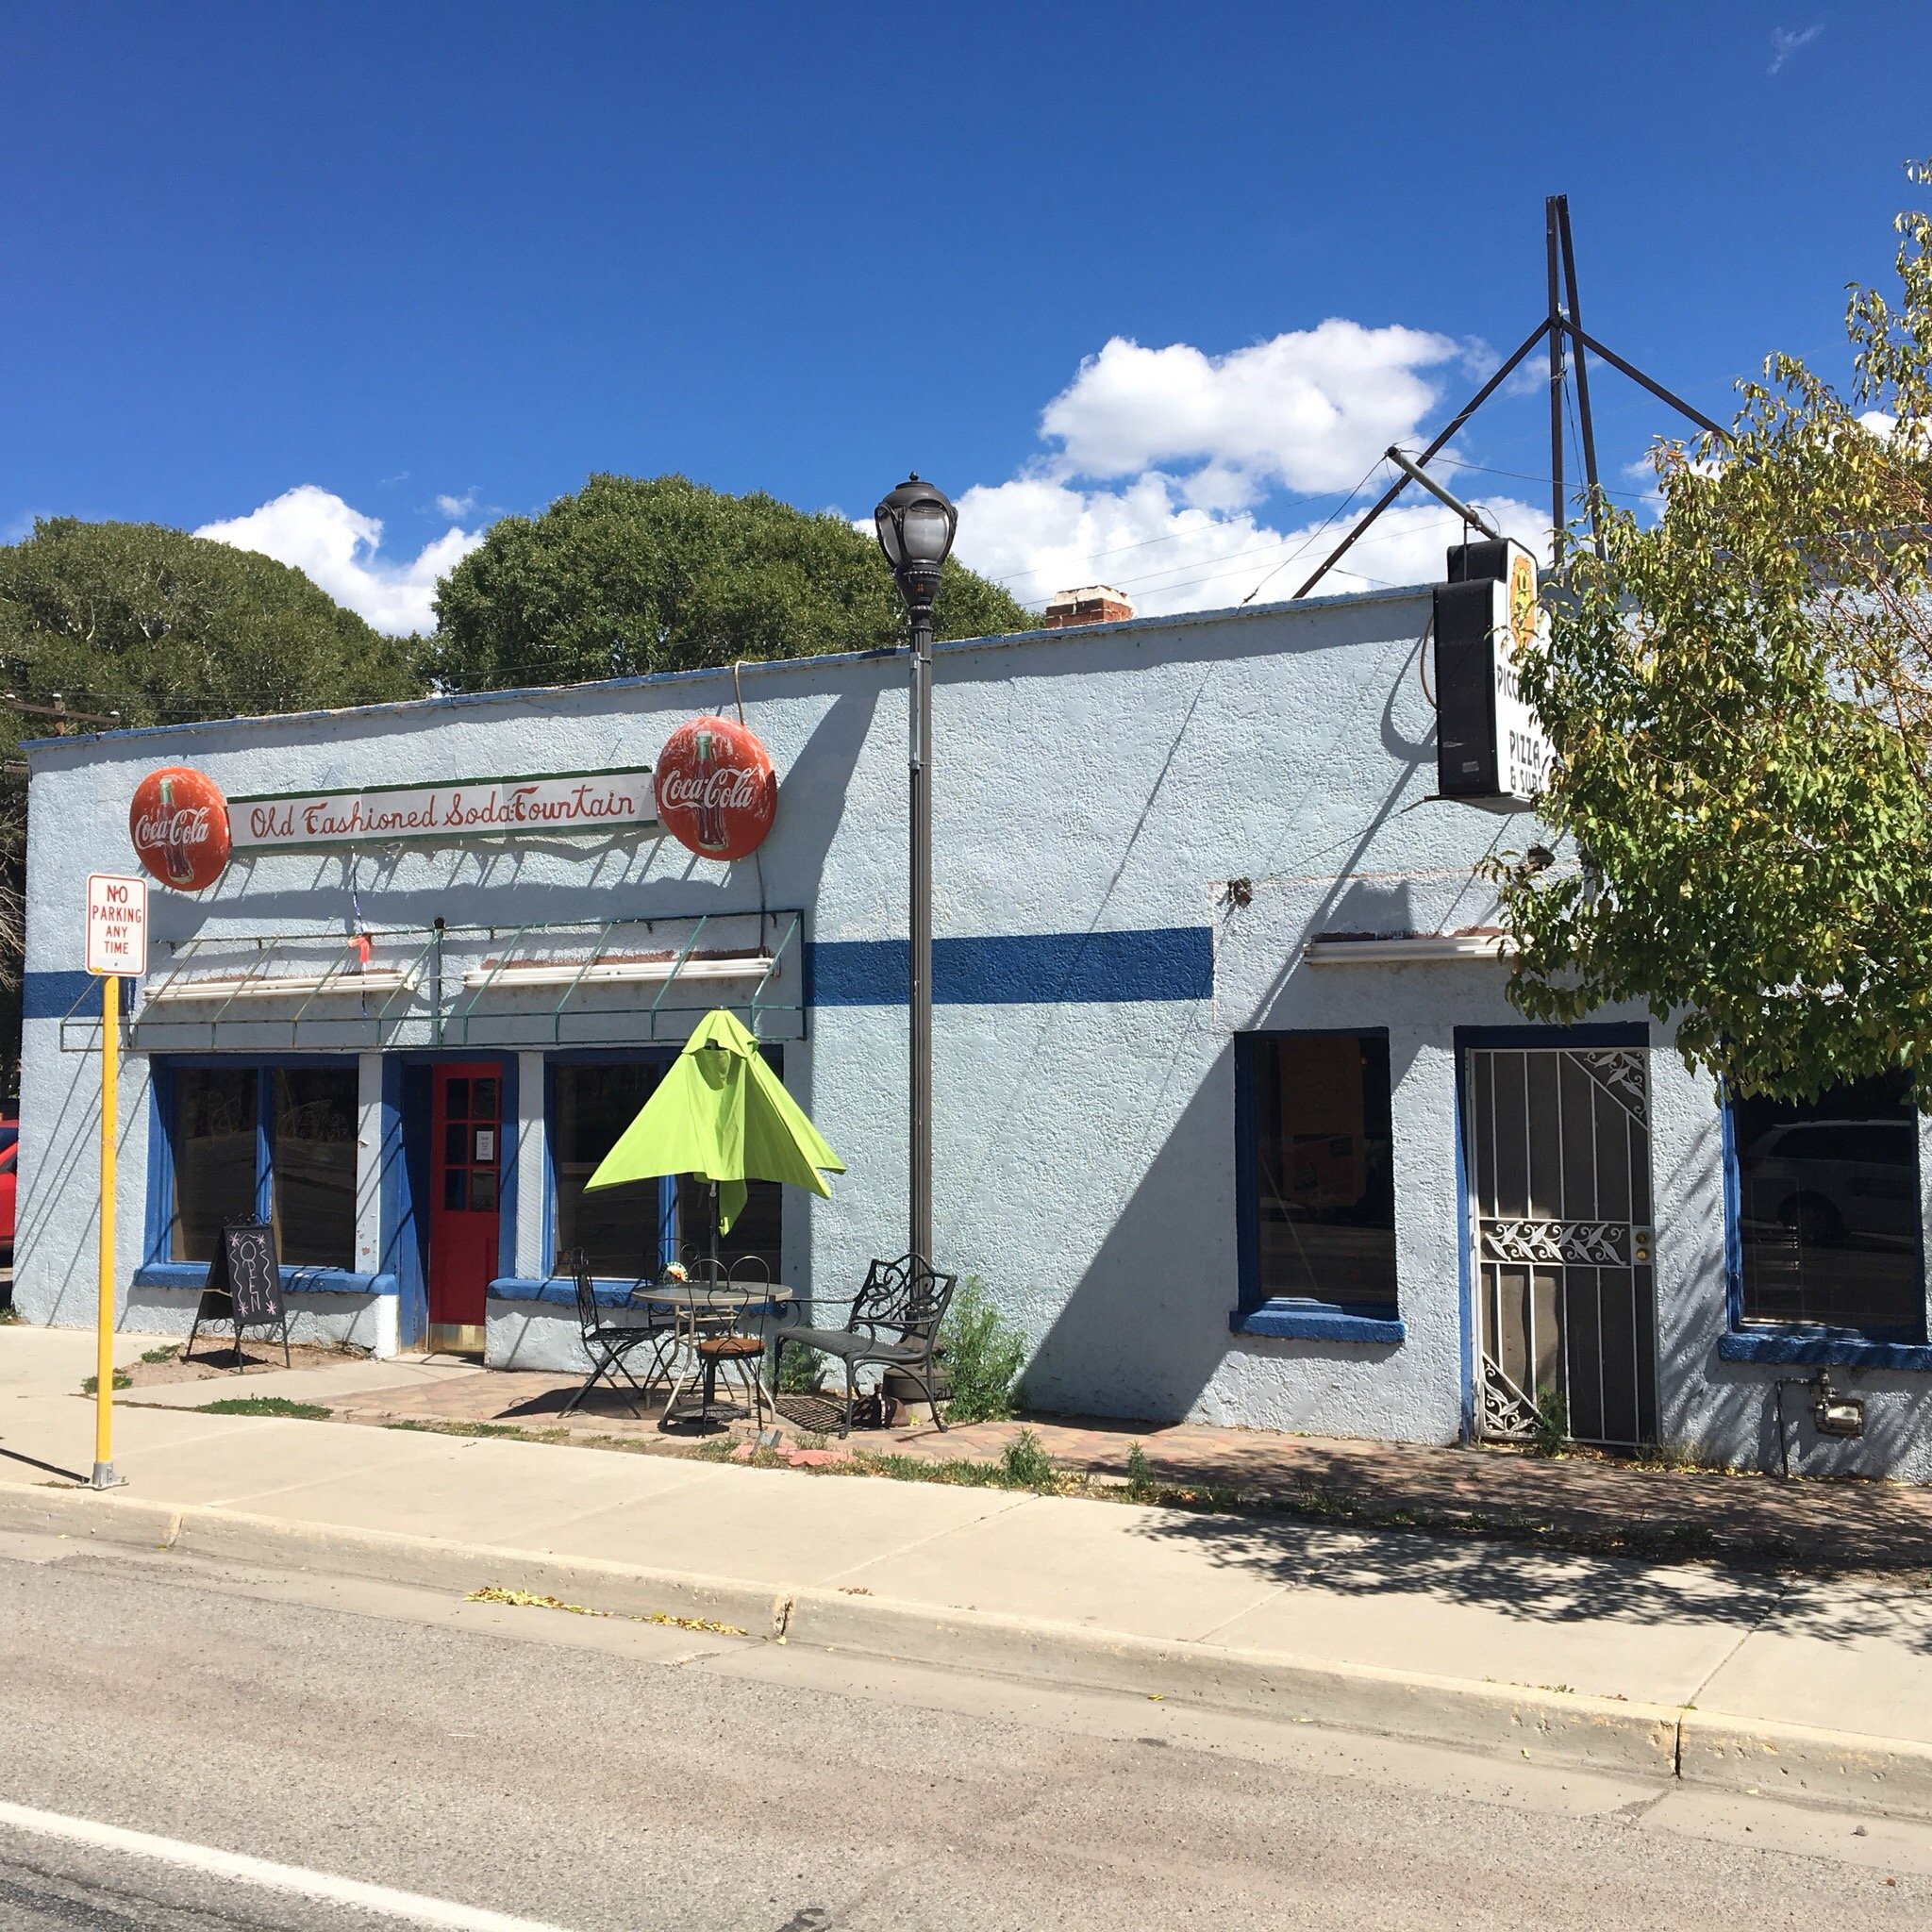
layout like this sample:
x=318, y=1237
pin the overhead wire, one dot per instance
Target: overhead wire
x=1316, y=531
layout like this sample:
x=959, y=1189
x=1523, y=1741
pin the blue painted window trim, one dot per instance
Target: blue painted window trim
x=1822, y=1345
x=296, y=1280
x=1465, y=1287
x=402, y=1193
x=508, y=1134
x=559, y=1290
x=1784, y=1342
x=1301, y=1318
x=158, y=1268
x=1308, y=1321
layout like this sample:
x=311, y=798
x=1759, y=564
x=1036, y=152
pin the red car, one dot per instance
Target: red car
x=9, y=1180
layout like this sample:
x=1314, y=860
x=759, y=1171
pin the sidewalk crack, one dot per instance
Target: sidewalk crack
x=920, y=1543
x=1745, y=1637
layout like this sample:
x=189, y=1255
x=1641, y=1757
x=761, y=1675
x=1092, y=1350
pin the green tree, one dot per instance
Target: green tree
x=158, y=626
x=161, y=626
x=1740, y=700
x=634, y=575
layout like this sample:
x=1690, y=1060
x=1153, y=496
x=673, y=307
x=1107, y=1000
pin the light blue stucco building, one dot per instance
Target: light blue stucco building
x=1232, y=1112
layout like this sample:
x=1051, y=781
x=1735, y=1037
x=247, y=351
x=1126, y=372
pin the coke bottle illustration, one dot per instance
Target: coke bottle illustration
x=713, y=836
x=174, y=845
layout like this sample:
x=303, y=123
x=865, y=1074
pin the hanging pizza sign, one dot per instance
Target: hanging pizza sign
x=717, y=792
x=179, y=825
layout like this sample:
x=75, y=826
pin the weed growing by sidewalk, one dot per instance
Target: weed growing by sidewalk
x=528, y=1600
x=265, y=1404
x=93, y=1382
x=162, y=1355
x=506, y=1431
x=984, y=1355
x=1552, y=1437
x=1027, y=1465
x=801, y=1371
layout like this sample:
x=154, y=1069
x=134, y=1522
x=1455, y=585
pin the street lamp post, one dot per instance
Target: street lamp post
x=915, y=526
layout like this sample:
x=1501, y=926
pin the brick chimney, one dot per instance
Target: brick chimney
x=1095, y=604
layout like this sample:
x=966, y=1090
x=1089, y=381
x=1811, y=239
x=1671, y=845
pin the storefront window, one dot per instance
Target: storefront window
x=1322, y=1181
x=312, y=1157
x=618, y=1227
x=214, y=1148
x=621, y=1229
x=754, y=1234
x=1828, y=1209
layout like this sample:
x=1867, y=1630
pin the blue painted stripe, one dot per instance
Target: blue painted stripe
x=1020, y=969
x=1174, y=963
x=52, y=996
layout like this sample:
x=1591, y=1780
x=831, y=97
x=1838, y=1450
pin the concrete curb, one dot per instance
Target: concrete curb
x=1608, y=1735
x=1781, y=1760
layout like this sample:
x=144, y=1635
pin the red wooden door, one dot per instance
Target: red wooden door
x=466, y=1153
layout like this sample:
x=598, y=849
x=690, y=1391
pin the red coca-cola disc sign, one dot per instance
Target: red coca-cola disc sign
x=717, y=792
x=179, y=825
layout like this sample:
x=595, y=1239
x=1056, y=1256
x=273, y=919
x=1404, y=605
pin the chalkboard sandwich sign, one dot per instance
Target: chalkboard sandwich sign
x=244, y=1286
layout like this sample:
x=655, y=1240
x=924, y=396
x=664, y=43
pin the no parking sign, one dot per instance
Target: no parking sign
x=116, y=925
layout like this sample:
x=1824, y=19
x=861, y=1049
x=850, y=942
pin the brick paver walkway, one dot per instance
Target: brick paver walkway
x=1583, y=1501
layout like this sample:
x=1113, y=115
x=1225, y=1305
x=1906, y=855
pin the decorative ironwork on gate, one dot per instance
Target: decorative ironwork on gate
x=1557, y=1153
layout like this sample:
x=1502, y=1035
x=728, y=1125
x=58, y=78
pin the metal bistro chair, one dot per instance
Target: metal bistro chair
x=609, y=1341
x=894, y=1323
x=712, y=1338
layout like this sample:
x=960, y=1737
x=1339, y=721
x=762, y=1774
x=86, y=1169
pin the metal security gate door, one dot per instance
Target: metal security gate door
x=1558, y=1155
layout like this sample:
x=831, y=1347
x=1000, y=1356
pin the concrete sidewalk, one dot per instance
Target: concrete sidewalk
x=1808, y=1689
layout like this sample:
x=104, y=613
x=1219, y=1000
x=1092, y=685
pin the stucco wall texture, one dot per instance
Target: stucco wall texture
x=1106, y=779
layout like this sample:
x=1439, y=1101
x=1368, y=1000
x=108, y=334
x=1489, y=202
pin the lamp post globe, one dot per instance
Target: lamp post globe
x=915, y=525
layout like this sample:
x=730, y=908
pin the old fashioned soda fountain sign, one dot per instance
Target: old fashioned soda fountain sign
x=179, y=825
x=717, y=792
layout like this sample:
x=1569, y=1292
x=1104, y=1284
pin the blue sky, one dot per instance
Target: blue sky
x=425, y=264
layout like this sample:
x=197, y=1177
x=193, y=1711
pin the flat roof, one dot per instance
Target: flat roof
x=745, y=667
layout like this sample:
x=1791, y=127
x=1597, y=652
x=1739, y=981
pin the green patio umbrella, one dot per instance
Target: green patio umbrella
x=722, y=1113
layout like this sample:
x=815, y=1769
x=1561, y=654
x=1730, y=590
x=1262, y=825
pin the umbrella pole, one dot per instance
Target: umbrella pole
x=714, y=1230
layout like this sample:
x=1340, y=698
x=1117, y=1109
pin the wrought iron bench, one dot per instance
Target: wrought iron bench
x=894, y=1322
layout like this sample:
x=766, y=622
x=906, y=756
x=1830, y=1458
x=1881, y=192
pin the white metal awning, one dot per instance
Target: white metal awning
x=1402, y=948
x=523, y=973
x=612, y=982
x=269, y=985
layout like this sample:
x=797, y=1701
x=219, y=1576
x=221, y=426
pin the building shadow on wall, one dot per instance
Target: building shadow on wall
x=1145, y=1329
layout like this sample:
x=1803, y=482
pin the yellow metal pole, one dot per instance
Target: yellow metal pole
x=104, y=1317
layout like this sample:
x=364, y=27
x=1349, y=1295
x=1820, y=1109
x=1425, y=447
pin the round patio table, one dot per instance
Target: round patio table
x=702, y=1311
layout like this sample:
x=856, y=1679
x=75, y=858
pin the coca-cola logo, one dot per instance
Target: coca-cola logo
x=179, y=825
x=717, y=792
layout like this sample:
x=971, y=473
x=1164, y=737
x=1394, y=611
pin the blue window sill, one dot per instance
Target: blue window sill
x=1840, y=1350
x=611, y=1292
x=1317, y=1321
x=295, y=1281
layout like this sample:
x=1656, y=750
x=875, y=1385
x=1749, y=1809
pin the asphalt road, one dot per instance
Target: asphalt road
x=598, y=1773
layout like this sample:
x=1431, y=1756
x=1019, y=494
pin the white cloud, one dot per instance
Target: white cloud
x=456, y=507
x=1166, y=553
x=1165, y=458
x=1784, y=43
x=1307, y=410
x=336, y=546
